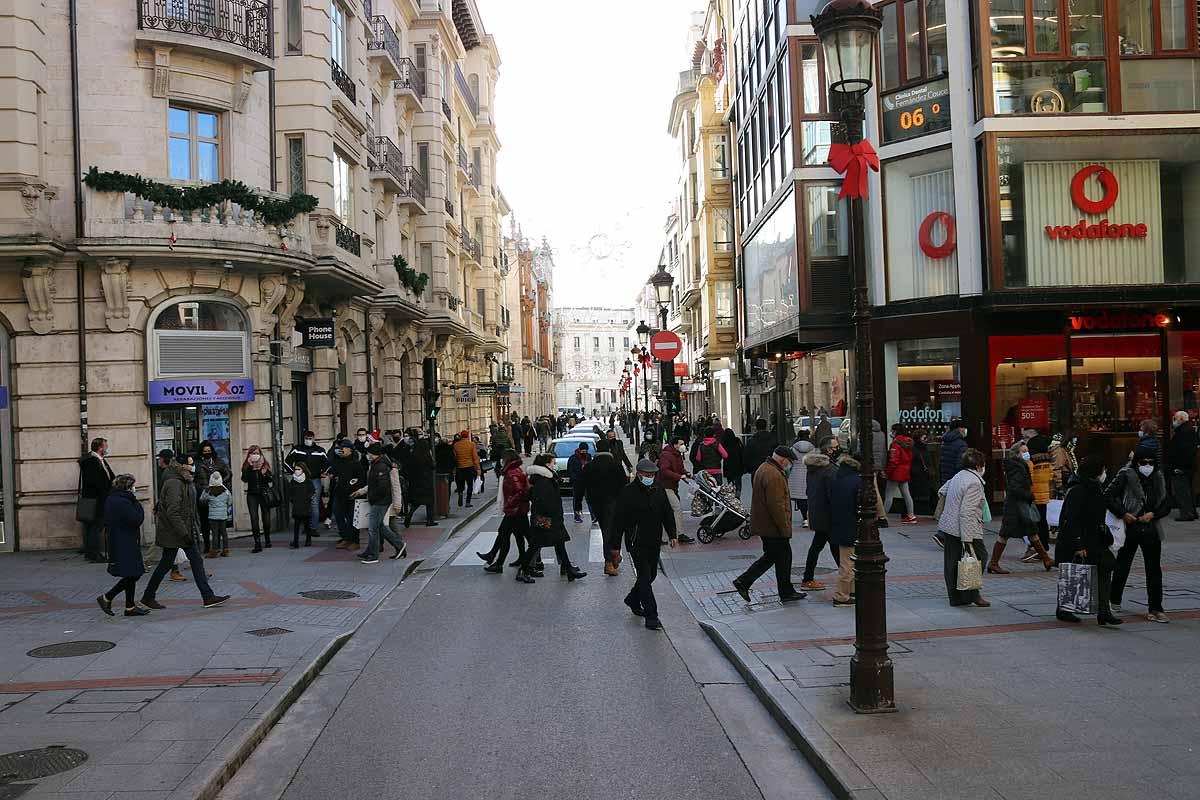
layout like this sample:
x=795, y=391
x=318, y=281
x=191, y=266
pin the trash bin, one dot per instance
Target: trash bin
x=442, y=490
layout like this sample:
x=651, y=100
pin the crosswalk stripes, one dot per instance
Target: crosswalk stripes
x=596, y=547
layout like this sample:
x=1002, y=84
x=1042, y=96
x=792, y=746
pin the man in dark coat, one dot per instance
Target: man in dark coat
x=175, y=530
x=349, y=475
x=603, y=479
x=821, y=464
x=95, y=482
x=419, y=472
x=771, y=519
x=617, y=448
x=315, y=461
x=380, y=496
x=643, y=513
x=758, y=447
x=843, y=492
x=954, y=444
x=1181, y=460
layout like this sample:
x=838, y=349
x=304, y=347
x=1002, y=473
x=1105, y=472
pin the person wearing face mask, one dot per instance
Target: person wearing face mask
x=820, y=465
x=300, y=494
x=1020, y=514
x=208, y=463
x=642, y=515
x=771, y=520
x=349, y=476
x=95, y=482
x=961, y=524
x=380, y=493
x=670, y=472
x=175, y=530
x=256, y=474
x=1083, y=536
x=1181, y=460
x=617, y=448
x=315, y=461
x=547, y=528
x=419, y=471
x=361, y=442
x=1138, y=495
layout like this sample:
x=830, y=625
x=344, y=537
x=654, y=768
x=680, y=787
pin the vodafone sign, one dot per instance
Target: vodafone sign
x=665, y=346
x=1110, y=190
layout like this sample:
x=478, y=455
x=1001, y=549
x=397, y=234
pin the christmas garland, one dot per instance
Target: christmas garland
x=194, y=198
x=409, y=277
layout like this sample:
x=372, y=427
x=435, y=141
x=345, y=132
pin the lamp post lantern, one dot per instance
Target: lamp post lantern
x=662, y=281
x=848, y=30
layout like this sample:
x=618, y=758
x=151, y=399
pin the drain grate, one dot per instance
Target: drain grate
x=28, y=765
x=70, y=649
x=329, y=594
x=269, y=632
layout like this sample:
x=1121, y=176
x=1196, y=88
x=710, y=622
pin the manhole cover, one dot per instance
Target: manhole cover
x=69, y=649
x=28, y=765
x=269, y=632
x=329, y=594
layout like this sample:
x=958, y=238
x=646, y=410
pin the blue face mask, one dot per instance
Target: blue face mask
x=646, y=481
x=1176, y=424
x=1026, y=456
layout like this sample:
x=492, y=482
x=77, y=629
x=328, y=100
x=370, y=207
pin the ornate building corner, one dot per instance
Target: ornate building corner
x=162, y=72
x=38, y=282
x=273, y=290
x=114, y=282
x=241, y=88
x=292, y=299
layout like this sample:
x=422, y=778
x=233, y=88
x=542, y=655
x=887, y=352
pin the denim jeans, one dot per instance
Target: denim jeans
x=377, y=530
x=316, y=504
x=168, y=560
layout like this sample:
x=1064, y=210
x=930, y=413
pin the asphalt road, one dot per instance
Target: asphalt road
x=492, y=688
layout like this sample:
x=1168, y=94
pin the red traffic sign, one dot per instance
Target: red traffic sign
x=665, y=346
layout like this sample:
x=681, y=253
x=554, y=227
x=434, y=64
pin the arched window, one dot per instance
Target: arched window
x=198, y=337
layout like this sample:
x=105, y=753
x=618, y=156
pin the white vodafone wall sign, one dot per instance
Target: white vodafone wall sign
x=665, y=346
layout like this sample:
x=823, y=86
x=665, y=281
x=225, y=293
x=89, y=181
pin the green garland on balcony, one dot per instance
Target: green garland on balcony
x=409, y=277
x=194, y=198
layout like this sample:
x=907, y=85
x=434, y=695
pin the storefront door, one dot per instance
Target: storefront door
x=183, y=428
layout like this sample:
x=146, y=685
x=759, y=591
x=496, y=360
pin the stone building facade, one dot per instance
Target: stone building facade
x=594, y=343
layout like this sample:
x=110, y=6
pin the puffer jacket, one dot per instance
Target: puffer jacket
x=899, y=460
x=515, y=490
x=950, y=458
x=1041, y=471
x=820, y=470
x=798, y=479
x=218, y=503
x=962, y=512
x=175, y=520
x=709, y=455
x=466, y=455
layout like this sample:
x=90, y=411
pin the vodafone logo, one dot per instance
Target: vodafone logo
x=1083, y=230
x=925, y=235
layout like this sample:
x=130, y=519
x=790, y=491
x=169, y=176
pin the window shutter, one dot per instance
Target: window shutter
x=201, y=354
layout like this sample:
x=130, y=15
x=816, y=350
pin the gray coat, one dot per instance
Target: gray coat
x=962, y=513
x=176, y=513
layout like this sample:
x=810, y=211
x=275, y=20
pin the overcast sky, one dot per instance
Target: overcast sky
x=581, y=110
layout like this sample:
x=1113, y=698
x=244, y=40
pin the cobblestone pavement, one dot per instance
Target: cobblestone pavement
x=181, y=689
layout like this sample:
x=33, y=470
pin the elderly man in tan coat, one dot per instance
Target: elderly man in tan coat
x=771, y=519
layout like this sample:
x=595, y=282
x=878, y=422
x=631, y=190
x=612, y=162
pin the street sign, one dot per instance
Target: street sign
x=465, y=393
x=681, y=369
x=665, y=346
x=317, y=332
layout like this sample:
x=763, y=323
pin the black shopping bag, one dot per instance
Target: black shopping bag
x=1077, y=587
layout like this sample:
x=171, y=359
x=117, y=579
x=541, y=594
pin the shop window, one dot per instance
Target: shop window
x=1083, y=211
x=199, y=338
x=912, y=42
x=1029, y=385
x=923, y=385
x=193, y=144
x=342, y=187
x=1115, y=381
x=922, y=251
x=771, y=276
x=1183, y=358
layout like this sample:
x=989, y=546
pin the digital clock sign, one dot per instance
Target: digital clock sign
x=914, y=112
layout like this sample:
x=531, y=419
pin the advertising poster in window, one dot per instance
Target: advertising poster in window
x=915, y=112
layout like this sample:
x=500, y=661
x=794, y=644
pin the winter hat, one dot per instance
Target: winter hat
x=216, y=480
x=1147, y=448
x=375, y=449
x=785, y=452
x=465, y=434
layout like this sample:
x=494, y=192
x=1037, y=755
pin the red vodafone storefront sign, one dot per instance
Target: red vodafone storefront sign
x=1097, y=230
x=665, y=346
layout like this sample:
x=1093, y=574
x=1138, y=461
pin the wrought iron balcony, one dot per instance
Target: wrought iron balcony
x=462, y=158
x=453, y=303
x=386, y=162
x=412, y=184
x=411, y=79
x=343, y=81
x=471, y=246
x=346, y=239
x=473, y=175
x=383, y=39
x=246, y=23
x=465, y=87
x=449, y=206
x=446, y=110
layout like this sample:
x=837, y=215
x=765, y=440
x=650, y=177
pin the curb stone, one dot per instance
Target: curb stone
x=211, y=775
x=831, y=762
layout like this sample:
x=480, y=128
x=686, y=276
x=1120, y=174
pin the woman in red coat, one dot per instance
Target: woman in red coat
x=898, y=471
x=514, y=500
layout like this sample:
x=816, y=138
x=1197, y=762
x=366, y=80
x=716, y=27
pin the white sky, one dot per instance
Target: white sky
x=581, y=111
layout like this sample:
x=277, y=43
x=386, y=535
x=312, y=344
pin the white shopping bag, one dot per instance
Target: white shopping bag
x=180, y=557
x=1116, y=526
x=1053, y=512
x=362, y=510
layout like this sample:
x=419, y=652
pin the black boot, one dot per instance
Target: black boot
x=267, y=541
x=257, y=545
x=1065, y=616
x=574, y=573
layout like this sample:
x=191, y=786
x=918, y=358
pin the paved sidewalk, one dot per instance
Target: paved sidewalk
x=172, y=701
x=1003, y=702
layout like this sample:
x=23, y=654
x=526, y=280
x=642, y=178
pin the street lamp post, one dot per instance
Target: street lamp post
x=631, y=398
x=847, y=30
x=662, y=282
x=643, y=334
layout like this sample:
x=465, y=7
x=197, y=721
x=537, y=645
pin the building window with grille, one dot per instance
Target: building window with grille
x=342, y=187
x=194, y=146
x=576, y=342
x=295, y=157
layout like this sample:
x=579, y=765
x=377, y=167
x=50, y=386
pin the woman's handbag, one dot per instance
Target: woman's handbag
x=1030, y=514
x=86, y=508
x=970, y=569
x=271, y=499
x=542, y=523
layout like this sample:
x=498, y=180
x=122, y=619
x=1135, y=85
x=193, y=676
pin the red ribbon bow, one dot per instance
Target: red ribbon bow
x=852, y=161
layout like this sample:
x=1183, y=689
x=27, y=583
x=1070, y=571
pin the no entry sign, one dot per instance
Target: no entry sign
x=665, y=346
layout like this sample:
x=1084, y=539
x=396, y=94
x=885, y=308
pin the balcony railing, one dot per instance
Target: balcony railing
x=410, y=78
x=471, y=245
x=384, y=38
x=446, y=110
x=246, y=23
x=462, y=158
x=385, y=156
x=473, y=175
x=453, y=303
x=346, y=239
x=412, y=184
x=449, y=206
x=465, y=88
x=343, y=82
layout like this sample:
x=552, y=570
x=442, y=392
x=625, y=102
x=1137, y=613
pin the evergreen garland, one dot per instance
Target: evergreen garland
x=194, y=198
x=409, y=277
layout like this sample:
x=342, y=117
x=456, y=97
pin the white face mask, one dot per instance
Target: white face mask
x=1104, y=476
x=298, y=477
x=255, y=458
x=308, y=442
x=1146, y=469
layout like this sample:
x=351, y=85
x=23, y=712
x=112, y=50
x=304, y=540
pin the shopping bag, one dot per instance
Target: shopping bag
x=1053, y=512
x=1077, y=587
x=1116, y=526
x=180, y=557
x=970, y=569
x=362, y=510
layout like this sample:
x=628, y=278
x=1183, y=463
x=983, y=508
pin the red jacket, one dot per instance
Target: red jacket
x=516, y=490
x=899, y=462
x=670, y=469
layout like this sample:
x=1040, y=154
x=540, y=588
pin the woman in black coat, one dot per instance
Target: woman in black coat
x=300, y=492
x=123, y=516
x=1083, y=536
x=1018, y=499
x=546, y=526
x=920, y=483
x=419, y=472
x=734, y=465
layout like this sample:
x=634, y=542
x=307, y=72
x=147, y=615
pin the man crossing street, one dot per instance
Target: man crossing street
x=771, y=519
x=643, y=513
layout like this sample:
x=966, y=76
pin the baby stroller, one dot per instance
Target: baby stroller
x=724, y=511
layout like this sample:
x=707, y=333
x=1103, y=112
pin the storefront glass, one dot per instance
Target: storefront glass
x=923, y=386
x=1099, y=210
x=772, y=276
x=922, y=254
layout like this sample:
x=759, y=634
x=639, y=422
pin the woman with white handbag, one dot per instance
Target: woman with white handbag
x=961, y=525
